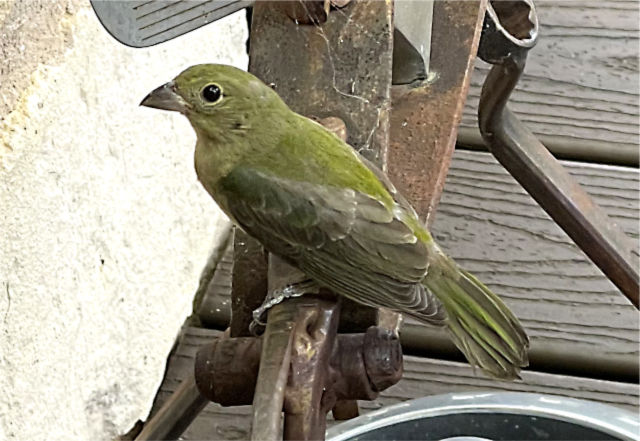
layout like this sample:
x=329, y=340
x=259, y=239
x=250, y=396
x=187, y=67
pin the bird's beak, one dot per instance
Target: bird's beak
x=165, y=97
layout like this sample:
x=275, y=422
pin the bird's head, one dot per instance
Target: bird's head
x=218, y=100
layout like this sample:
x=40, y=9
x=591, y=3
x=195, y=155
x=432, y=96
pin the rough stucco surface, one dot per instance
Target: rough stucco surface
x=104, y=229
x=31, y=32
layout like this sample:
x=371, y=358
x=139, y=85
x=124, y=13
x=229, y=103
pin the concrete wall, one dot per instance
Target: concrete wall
x=104, y=229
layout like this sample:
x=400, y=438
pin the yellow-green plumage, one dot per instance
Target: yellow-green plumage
x=314, y=201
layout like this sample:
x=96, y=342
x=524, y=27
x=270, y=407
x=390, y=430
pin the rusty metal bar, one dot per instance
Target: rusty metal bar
x=226, y=370
x=360, y=365
x=424, y=119
x=176, y=414
x=272, y=376
x=341, y=68
x=305, y=402
x=509, y=32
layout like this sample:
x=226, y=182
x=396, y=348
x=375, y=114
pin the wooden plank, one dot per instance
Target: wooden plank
x=571, y=311
x=577, y=320
x=215, y=308
x=580, y=89
x=422, y=377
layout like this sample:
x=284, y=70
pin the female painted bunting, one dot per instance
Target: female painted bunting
x=312, y=200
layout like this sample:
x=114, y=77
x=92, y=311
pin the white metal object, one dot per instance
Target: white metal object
x=142, y=23
x=618, y=423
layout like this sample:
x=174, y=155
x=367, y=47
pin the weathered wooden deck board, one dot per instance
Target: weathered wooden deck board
x=422, y=377
x=580, y=89
x=577, y=320
x=571, y=311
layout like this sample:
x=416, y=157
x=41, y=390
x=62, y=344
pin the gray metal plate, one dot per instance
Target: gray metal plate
x=142, y=23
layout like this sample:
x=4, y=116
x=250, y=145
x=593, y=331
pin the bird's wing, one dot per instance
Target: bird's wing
x=384, y=179
x=344, y=239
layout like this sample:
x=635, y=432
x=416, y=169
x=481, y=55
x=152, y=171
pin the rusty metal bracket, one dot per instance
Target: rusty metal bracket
x=306, y=403
x=424, y=119
x=360, y=365
x=268, y=398
x=294, y=353
x=510, y=30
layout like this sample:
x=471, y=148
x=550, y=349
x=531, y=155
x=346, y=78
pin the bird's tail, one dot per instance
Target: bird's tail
x=480, y=324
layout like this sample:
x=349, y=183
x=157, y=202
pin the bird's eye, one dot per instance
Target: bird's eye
x=211, y=93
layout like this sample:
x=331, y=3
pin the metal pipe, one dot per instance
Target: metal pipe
x=530, y=163
x=176, y=414
x=275, y=361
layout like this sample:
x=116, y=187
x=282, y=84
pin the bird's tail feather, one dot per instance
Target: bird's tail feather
x=481, y=325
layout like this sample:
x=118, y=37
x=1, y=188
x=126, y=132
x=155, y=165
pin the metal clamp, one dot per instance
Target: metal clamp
x=321, y=370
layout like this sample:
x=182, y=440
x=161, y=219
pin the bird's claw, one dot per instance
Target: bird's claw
x=276, y=296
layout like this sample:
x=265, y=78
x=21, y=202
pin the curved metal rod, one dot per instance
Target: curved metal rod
x=546, y=180
x=272, y=376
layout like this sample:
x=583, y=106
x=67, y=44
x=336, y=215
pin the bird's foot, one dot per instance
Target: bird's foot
x=276, y=296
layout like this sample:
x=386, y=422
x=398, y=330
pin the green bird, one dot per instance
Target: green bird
x=312, y=200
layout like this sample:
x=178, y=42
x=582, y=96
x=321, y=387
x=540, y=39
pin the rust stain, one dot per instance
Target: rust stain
x=424, y=120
